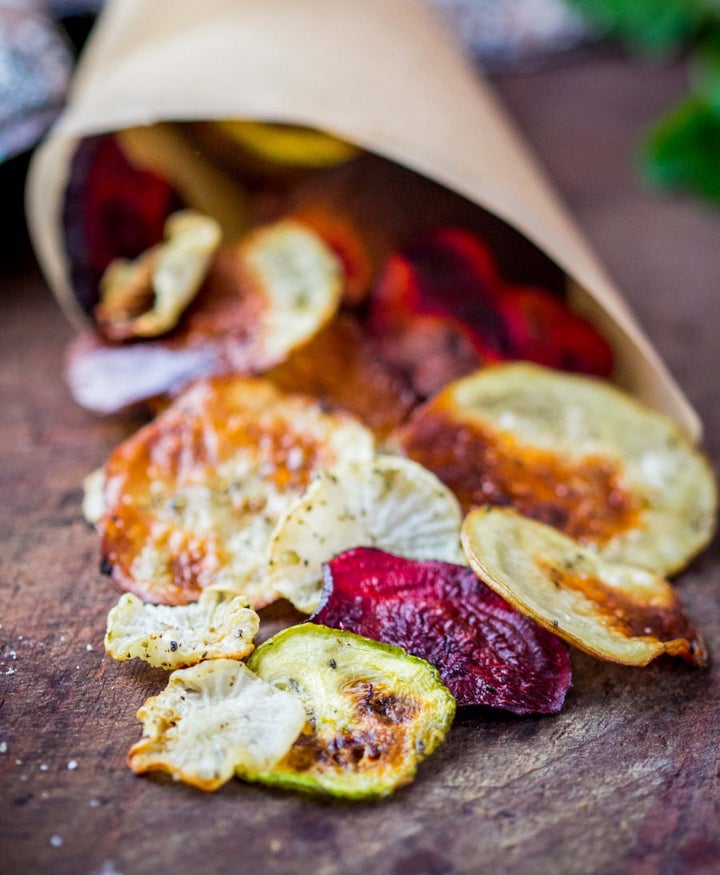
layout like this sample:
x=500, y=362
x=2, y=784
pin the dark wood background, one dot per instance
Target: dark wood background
x=625, y=780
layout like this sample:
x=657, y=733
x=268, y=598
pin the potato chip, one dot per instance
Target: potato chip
x=219, y=625
x=261, y=300
x=213, y=719
x=620, y=613
x=147, y=297
x=193, y=497
x=373, y=711
x=573, y=452
x=386, y=502
x=487, y=652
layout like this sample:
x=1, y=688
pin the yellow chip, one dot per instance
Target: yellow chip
x=287, y=145
x=572, y=452
x=192, y=499
x=615, y=612
x=212, y=719
x=219, y=625
x=386, y=502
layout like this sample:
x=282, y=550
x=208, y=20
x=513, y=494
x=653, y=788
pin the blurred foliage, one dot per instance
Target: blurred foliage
x=682, y=150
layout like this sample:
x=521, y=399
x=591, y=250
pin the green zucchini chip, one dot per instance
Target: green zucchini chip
x=373, y=711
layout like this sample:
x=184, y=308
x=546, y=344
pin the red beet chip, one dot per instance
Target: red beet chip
x=112, y=210
x=448, y=274
x=540, y=328
x=487, y=653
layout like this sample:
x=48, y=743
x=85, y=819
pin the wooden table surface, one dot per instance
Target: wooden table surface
x=625, y=780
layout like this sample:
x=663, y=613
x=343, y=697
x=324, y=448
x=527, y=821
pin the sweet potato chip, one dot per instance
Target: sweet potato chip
x=341, y=365
x=386, y=502
x=219, y=625
x=487, y=652
x=573, y=452
x=615, y=612
x=373, y=711
x=193, y=497
x=260, y=301
x=213, y=719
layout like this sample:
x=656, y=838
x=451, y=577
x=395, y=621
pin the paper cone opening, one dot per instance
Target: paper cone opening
x=381, y=74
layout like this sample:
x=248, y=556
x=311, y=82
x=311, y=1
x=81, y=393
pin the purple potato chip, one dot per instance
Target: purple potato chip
x=487, y=653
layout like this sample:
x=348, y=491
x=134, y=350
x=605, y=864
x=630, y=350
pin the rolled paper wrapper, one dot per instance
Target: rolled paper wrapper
x=381, y=74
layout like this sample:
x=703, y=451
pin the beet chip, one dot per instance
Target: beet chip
x=487, y=653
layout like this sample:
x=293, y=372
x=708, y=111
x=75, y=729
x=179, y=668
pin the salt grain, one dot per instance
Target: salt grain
x=94, y=803
x=44, y=767
x=56, y=841
x=72, y=765
x=88, y=647
x=3, y=746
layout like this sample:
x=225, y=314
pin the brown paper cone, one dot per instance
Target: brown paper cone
x=380, y=73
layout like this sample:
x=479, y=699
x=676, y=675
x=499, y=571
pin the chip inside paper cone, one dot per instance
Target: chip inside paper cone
x=192, y=499
x=615, y=612
x=261, y=300
x=341, y=365
x=574, y=452
x=213, y=719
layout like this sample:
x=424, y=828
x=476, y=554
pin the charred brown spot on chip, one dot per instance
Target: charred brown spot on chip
x=585, y=498
x=625, y=615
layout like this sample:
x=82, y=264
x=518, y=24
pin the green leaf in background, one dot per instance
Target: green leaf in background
x=682, y=152
x=651, y=25
x=705, y=68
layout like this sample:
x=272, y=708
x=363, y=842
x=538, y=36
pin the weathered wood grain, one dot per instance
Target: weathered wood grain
x=625, y=780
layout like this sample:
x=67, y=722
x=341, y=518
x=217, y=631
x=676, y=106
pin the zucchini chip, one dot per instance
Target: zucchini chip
x=192, y=498
x=373, y=711
x=212, y=720
x=220, y=624
x=386, y=502
x=573, y=452
x=619, y=613
x=487, y=652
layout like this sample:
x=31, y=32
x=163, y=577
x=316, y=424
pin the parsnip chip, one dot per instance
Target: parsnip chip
x=213, y=719
x=147, y=297
x=262, y=299
x=573, y=452
x=220, y=624
x=386, y=502
x=615, y=612
x=373, y=711
x=193, y=497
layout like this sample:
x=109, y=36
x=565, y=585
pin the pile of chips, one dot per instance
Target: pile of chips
x=390, y=440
